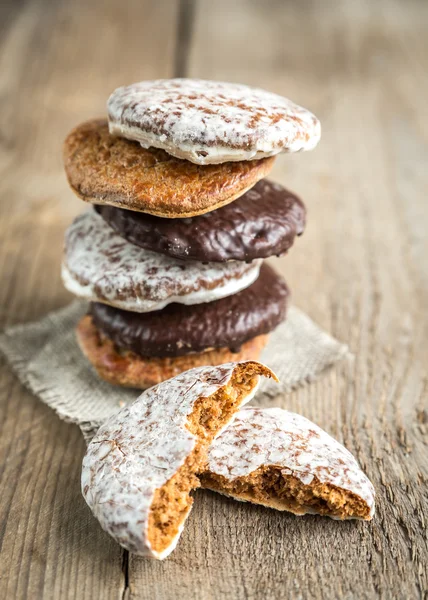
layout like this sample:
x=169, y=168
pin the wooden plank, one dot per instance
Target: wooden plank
x=360, y=271
x=58, y=63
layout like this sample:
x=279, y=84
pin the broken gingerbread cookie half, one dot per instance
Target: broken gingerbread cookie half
x=281, y=460
x=140, y=468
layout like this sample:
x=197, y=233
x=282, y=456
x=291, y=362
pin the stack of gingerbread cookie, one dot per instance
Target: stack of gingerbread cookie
x=171, y=256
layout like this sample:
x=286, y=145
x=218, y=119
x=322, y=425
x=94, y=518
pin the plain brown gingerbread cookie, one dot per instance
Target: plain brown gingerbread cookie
x=104, y=169
x=130, y=370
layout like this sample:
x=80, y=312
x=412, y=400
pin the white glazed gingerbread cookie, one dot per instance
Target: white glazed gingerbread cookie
x=208, y=122
x=141, y=466
x=101, y=266
x=279, y=459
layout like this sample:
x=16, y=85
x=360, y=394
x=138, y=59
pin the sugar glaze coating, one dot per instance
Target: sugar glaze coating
x=101, y=266
x=275, y=437
x=208, y=122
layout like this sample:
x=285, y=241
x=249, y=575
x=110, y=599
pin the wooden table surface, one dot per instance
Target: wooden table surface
x=360, y=270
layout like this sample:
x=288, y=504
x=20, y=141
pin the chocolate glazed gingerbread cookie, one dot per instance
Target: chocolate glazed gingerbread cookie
x=140, y=350
x=178, y=330
x=263, y=222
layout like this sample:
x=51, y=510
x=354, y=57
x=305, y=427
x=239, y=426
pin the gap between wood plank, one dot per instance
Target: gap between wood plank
x=185, y=21
x=125, y=571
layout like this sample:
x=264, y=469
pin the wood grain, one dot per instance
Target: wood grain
x=360, y=270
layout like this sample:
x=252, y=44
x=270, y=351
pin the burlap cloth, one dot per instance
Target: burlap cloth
x=47, y=359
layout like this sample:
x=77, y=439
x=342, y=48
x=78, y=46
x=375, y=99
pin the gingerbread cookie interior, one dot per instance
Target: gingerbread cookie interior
x=272, y=487
x=172, y=501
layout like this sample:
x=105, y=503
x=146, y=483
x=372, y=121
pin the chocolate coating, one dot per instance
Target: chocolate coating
x=261, y=223
x=178, y=329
